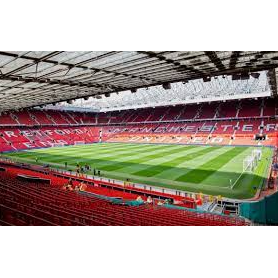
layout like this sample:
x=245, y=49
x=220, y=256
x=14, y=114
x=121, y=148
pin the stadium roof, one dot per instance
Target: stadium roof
x=33, y=78
x=194, y=91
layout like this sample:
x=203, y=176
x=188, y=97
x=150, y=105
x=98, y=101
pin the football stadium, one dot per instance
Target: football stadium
x=138, y=138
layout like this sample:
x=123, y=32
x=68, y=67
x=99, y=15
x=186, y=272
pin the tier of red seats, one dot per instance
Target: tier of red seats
x=207, y=132
x=27, y=138
x=208, y=111
x=25, y=203
x=230, y=109
x=6, y=119
x=269, y=107
x=250, y=121
x=250, y=108
x=235, y=132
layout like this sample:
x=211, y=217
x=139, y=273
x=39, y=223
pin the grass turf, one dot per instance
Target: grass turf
x=206, y=169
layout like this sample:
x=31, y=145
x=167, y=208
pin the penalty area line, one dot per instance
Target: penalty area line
x=233, y=185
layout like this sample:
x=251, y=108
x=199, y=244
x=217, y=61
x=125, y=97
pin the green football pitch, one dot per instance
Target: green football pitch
x=215, y=170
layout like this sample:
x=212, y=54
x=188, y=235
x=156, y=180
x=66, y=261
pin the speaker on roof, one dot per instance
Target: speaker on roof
x=133, y=90
x=166, y=86
x=236, y=77
x=245, y=76
x=255, y=75
x=207, y=79
x=86, y=98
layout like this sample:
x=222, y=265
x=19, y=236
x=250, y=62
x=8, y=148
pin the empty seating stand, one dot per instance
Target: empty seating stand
x=215, y=110
x=25, y=203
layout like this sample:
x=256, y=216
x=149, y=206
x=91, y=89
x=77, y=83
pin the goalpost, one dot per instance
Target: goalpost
x=257, y=153
x=249, y=164
x=57, y=144
x=79, y=142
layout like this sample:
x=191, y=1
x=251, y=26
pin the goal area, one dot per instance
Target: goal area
x=249, y=165
x=251, y=162
x=57, y=144
x=79, y=143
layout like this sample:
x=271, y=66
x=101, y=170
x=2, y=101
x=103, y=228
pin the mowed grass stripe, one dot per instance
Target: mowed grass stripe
x=142, y=166
x=71, y=150
x=97, y=160
x=210, y=167
x=83, y=147
x=97, y=148
x=146, y=158
x=111, y=157
x=78, y=156
x=156, y=161
x=120, y=157
x=72, y=147
x=154, y=170
x=67, y=151
x=187, y=165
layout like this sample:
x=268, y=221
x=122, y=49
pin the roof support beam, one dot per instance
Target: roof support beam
x=54, y=81
x=233, y=59
x=34, y=62
x=178, y=67
x=215, y=59
x=71, y=66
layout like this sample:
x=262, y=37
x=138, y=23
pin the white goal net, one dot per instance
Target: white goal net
x=249, y=165
x=79, y=142
x=257, y=153
x=251, y=162
x=57, y=144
